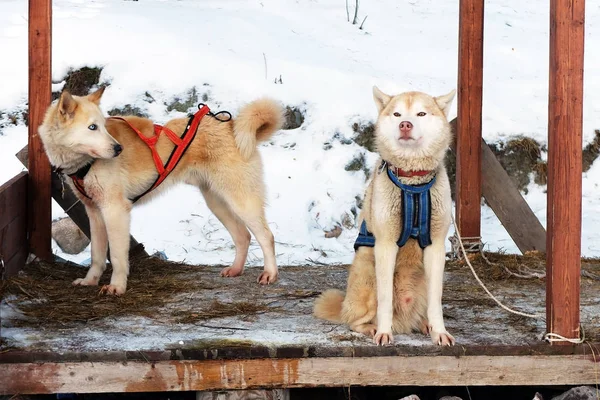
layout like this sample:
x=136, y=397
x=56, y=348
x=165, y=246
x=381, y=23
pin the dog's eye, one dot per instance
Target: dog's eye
x=93, y=127
x=421, y=114
x=397, y=114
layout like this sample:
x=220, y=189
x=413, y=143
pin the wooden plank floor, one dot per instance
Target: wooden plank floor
x=279, y=343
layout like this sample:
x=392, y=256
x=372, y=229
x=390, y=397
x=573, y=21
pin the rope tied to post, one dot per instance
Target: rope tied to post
x=550, y=336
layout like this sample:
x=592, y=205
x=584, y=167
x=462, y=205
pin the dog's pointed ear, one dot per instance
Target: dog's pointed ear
x=96, y=96
x=66, y=105
x=445, y=102
x=381, y=99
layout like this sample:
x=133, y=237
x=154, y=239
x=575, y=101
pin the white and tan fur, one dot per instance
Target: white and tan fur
x=392, y=290
x=222, y=161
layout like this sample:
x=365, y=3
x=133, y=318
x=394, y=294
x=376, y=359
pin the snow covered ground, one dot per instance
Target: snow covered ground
x=327, y=68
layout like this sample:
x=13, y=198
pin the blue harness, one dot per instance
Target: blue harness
x=416, y=215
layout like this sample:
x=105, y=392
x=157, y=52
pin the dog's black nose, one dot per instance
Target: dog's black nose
x=117, y=148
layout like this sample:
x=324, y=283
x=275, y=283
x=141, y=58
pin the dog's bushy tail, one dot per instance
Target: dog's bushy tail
x=256, y=122
x=328, y=305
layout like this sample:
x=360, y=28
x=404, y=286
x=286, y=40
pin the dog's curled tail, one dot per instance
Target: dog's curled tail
x=256, y=122
x=328, y=305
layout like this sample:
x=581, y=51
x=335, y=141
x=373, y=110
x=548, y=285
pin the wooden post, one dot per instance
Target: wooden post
x=40, y=52
x=564, y=166
x=470, y=88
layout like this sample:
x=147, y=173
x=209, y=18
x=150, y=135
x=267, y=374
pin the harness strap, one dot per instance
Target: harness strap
x=416, y=211
x=181, y=145
x=416, y=215
x=77, y=178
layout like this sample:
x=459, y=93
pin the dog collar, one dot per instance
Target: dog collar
x=402, y=173
x=77, y=177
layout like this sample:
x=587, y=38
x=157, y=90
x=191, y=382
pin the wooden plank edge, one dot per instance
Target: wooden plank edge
x=257, y=351
x=99, y=377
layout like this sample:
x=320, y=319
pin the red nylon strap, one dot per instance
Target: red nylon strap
x=408, y=174
x=182, y=146
x=79, y=185
x=150, y=142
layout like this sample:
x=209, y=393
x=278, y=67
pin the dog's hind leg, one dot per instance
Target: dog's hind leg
x=117, y=218
x=99, y=241
x=236, y=228
x=250, y=209
x=359, y=308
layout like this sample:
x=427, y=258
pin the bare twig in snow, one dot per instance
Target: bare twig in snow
x=265, y=58
x=361, y=25
x=355, y=20
x=347, y=11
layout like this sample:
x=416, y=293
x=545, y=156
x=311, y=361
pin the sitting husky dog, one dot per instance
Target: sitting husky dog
x=395, y=281
x=111, y=166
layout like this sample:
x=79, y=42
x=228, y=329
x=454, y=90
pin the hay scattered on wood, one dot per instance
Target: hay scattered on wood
x=500, y=266
x=219, y=309
x=43, y=292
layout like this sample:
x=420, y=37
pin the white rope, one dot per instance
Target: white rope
x=550, y=337
x=462, y=247
x=555, y=337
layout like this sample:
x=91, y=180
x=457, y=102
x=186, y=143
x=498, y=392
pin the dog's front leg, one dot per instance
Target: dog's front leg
x=99, y=241
x=117, y=219
x=434, y=258
x=385, y=263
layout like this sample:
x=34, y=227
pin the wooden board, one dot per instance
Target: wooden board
x=13, y=224
x=40, y=74
x=245, y=349
x=468, y=138
x=66, y=199
x=132, y=376
x=565, y=124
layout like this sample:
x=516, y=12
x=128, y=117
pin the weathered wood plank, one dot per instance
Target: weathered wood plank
x=97, y=377
x=565, y=113
x=40, y=74
x=14, y=264
x=13, y=224
x=470, y=89
x=13, y=237
x=66, y=199
x=13, y=198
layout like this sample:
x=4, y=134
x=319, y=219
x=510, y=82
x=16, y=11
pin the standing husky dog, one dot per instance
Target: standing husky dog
x=395, y=285
x=222, y=161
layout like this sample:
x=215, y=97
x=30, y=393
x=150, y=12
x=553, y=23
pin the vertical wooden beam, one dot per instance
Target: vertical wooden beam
x=40, y=59
x=470, y=88
x=565, y=126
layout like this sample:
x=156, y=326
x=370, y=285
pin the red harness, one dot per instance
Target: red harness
x=181, y=145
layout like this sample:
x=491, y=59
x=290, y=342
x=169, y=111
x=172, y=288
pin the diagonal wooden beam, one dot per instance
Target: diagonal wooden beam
x=504, y=198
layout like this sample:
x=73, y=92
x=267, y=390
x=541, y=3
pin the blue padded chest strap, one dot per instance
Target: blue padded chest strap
x=416, y=215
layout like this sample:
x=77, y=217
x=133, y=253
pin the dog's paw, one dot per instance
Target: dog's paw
x=267, y=278
x=383, y=339
x=116, y=290
x=442, y=338
x=85, y=282
x=424, y=327
x=230, y=272
x=366, y=329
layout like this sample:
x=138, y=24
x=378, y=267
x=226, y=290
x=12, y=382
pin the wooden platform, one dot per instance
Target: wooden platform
x=279, y=344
